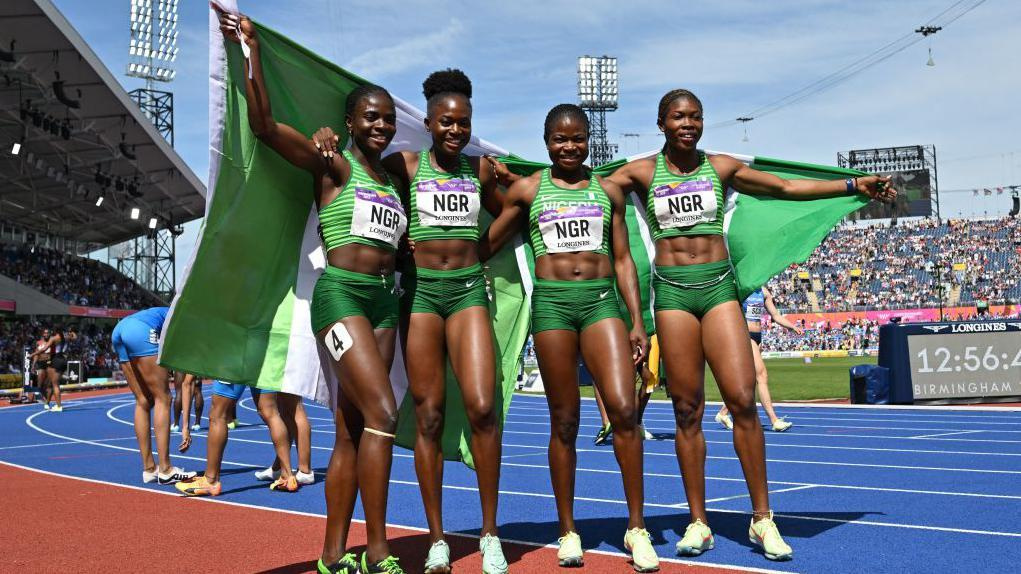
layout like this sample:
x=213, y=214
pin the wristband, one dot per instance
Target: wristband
x=851, y=184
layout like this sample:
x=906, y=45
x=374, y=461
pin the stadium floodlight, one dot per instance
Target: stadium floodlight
x=152, y=222
x=135, y=212
x=597, y=94
x=99, y=201
x=16, y=148
x=153, y=40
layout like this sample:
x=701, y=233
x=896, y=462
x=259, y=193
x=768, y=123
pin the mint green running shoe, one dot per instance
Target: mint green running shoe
x=493, y=560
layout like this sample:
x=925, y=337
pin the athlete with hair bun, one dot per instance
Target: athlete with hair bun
x=576, y=225
x=698, y=315
x=354, y=302
x=445, y=305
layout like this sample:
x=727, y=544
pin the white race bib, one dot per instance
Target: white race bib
x=754, y=312
x=575, y=228
x=338, y=340
x=448, y=203
x=378, y=216
x=684, y=203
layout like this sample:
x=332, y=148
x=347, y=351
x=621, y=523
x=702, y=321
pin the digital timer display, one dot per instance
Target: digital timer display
x=959, y=365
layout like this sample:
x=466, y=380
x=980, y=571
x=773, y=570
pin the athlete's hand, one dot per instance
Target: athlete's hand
x=185, y=439
x=326, y=142
x=230, y=23
x=639, y=345
x=503, y=175
x=798, y=330
x=877, y=187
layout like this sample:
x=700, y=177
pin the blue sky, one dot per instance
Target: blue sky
x=736, y=55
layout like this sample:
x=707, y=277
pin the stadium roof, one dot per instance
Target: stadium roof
x=71, y=155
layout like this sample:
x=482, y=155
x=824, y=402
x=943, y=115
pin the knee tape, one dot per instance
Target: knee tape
x=378, y=433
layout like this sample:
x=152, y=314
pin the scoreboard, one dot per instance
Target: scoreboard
x=977, y=361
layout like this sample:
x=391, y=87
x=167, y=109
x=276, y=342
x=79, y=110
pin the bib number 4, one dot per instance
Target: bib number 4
x=338, y=341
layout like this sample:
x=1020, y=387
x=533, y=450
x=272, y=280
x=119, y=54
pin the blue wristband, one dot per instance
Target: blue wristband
x=851, y=187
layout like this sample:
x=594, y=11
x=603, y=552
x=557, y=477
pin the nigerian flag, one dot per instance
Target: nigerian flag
x=243, y=315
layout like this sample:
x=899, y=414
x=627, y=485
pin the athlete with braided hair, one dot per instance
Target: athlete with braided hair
x=582, y=258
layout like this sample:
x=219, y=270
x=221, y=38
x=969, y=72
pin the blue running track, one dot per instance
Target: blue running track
x=854, y=490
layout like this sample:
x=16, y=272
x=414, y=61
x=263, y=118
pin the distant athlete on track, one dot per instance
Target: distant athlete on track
x=754, y=305
x=299, y=432
x=136, y=341
x=576, y=224
x=55, y=348
x=226, y=395
x=198, y=401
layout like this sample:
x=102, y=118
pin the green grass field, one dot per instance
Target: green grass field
x=792, y=380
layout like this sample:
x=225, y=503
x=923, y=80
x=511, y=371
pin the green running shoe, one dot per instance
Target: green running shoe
x=603, y=434
x=348, y=564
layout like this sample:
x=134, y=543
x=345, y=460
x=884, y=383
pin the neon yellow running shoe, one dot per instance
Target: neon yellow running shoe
x=348, y=564
x=697, y=539
x=570, y=554
x=387, y=565
x=765, y=535
x=643, y=557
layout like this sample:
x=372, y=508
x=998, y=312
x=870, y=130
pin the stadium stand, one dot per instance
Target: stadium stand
x=73, y=280
x=896, y=267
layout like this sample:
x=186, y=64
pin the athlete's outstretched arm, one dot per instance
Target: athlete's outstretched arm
x=511, y=219
x=754, y=182
x=626, y=272
x=778, y=318
x=282, y=138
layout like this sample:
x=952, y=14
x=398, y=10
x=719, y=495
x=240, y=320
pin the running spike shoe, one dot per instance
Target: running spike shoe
x=175, y=474
x=603, y=434
x=765, y=534
x=493, y=560
x=570, y=554
x=781, y=424
x=725, y=420
x=438, y=559
x=348, y=564
x=199, y=486
x=643, y=557
x=387, y=565
x=282, y=484
x=697, y=539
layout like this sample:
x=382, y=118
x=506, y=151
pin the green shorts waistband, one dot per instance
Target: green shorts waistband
x=357, y=278
x=462, y=273
x=694, y=273
x=600, y=283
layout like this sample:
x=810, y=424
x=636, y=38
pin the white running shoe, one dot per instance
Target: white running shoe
x=643, y=557
x=148, y=477
x=46, y=407
x=725, y=420
x=645, y=432
x=305, y=478
x=697, y=539
x=493, y=560
x=570, y=554
x=438, y=559
x=267, y=474
x=765, y=535
x=56, y=409
x=175, y=428
x=176, y=474
x=196, y=426
x=782, y=424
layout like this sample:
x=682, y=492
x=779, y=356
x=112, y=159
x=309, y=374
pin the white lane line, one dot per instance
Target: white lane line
x=798, y=433
x=220, y=500
x=949, y=433
x=62, y=443
x=676, y=476
x=877, y=410
x=815, y=446
x=746, y=495
x=814, y=462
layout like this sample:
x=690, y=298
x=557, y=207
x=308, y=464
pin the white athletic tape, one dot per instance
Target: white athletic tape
x=338, y=341
x=379, y=433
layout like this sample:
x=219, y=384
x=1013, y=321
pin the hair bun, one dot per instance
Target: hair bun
x=450, y=80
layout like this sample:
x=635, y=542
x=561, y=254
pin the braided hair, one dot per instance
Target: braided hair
x=674, y=95
x=362, y=92
x=561, y=111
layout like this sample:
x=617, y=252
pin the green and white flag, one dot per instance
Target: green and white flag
x=243, y=314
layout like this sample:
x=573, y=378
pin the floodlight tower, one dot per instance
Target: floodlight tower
x=597, y=94
x=153, y=50
x=149, y=260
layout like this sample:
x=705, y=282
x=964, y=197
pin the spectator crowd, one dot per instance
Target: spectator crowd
x=73, y=280
x=900, y=266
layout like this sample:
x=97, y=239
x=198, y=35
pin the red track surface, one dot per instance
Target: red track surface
x=58, y=524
